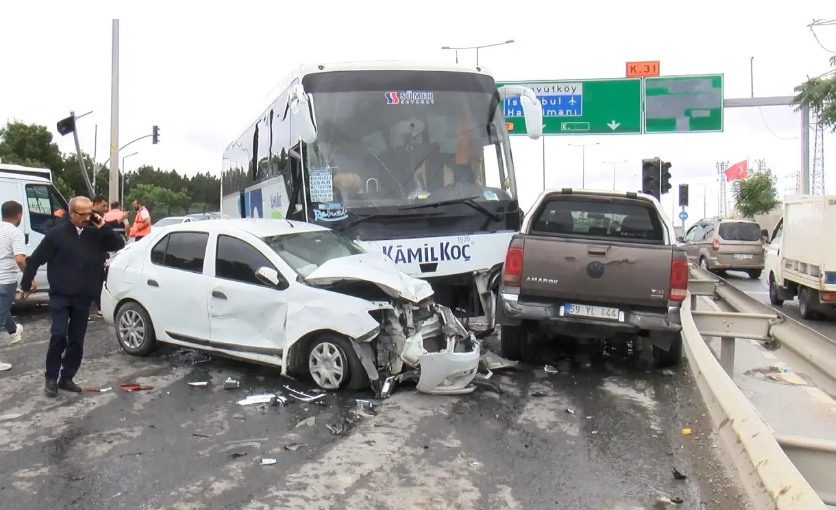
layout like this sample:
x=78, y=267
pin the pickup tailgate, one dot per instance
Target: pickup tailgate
x=597, y=250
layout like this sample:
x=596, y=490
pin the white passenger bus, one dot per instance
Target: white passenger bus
x=412, y=160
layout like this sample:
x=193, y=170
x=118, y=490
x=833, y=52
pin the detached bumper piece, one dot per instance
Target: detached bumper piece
x=446, y=354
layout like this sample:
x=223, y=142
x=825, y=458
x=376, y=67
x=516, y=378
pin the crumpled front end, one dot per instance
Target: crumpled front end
x=429, y=338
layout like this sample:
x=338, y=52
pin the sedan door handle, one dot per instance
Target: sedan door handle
x=218, y=294
x=153, y=283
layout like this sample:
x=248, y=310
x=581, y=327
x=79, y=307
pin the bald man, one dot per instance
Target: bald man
x=73, y=252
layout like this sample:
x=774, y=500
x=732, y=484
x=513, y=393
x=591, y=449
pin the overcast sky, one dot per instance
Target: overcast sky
x=204, y=71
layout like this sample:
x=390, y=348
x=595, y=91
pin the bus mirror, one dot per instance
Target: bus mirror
x=531, y=106
x=302, y=110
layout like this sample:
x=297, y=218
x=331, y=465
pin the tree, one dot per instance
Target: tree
x=154, y=196
x=29, y=145
x=757, y=194
x=819, y=95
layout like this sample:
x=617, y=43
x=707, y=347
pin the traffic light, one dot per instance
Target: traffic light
x=650, y=177
x=666, y=177
x=66, y=126
x=683, y=195
x=155, y=135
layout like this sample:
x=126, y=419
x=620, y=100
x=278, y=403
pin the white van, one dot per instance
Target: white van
x=43, y=206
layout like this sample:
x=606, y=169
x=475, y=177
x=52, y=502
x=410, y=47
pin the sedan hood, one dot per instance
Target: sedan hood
x=374, y=268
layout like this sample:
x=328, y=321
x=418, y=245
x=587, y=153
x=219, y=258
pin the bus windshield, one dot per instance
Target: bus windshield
x=406, y=138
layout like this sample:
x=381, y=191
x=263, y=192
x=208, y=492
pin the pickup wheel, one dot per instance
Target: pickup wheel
x=670, y=358
x=774, y=296
x=754, y=274
x=516, y=344
x=805, y=296
x=704, y=264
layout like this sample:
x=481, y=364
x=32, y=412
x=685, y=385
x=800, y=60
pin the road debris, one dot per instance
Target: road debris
x=132, y=387
x=292, y=447
x=550, y=369
x=12, y=416
x=237, y=455
x=367, y=407
x=490, y=361
x=199, y=383
x=539, y=393
x=481, y=382
x=678, y=474
x=306, y=422
x=267, y=398
x=304, y=397
x=95, y=389
x=267, y=461
x=570, y=411
x=336, y=429
x=195, y=434
x=686, y=432
x=231, y=384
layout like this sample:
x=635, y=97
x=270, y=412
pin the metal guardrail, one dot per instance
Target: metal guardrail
x=781, y=472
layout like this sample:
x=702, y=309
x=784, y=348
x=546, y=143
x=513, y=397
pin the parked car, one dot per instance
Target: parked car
x=719, y=245
x=594, y=265
x=287, y=294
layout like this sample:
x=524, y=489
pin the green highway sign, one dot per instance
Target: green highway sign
x=683, y=104
x=581, y=107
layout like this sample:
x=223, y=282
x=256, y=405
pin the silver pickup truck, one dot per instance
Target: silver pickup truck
x=594, y=265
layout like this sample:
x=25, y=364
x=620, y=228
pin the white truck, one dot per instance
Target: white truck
x=801, y=255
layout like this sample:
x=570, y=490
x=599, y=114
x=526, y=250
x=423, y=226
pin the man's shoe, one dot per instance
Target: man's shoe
x=51, y=388
x=15, y=337
x=69, y=385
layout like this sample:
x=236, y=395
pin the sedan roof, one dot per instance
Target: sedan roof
x=255, y=226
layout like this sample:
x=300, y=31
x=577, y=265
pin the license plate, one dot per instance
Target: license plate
x=593, y=312
x=742, y=256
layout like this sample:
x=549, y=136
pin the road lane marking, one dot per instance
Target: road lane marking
x=818, y=395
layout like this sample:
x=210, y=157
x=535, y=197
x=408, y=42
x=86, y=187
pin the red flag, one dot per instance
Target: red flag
x=737, y=171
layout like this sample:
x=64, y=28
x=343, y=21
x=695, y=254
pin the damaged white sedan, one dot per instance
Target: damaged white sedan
x=291, y=295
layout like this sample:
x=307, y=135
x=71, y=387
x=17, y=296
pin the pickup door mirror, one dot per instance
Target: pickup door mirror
x=679, y=239
x=269, y=276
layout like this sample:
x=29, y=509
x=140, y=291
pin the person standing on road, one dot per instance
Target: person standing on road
x=118, y=219
x=73, y=254
x=12, y=261
x=142, y=221
x=100, y=207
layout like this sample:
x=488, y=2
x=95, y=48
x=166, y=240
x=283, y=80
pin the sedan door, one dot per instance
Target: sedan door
x=173, y=287
x=245, y=314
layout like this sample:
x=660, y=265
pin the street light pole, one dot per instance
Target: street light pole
x=583, y=159
x=113, y=184
x=614, y=163
x=124, y=174
x=477, y=48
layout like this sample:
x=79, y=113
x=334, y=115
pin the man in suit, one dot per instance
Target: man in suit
x=73, y=252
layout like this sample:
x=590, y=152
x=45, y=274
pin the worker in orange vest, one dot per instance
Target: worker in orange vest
x=142, y=221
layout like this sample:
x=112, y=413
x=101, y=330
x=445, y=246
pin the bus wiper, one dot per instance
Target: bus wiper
x=469, y=201
x=350, y=224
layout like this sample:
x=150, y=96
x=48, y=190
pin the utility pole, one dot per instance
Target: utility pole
x=113, y=181
x=722, y=206
x=614, y=164
x=583, y=159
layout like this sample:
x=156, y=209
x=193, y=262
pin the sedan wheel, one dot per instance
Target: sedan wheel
x=134, y=330
x=328, y=365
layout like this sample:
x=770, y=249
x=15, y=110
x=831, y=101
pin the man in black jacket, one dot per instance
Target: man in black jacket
x=73, y=253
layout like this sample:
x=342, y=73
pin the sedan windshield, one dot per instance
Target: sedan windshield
x=306, y=251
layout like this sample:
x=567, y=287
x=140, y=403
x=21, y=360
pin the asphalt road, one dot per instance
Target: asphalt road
x=604, y=437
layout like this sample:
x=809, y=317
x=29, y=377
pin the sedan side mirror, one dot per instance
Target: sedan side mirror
x=269, y=276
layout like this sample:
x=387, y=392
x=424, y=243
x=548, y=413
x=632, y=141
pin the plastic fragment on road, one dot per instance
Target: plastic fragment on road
x=570, y=411
x=366, y=406
x=12, y=416
x=677, y=474
x=292, y=447
x=132, y=387
x=99, y=390
x=550, y=369
x=686, y=432
x=304, y=397
x=307, y=421
x=267, y=461
x=267, y=398
x=199, y=383
x=491, y=361
x=231, y=384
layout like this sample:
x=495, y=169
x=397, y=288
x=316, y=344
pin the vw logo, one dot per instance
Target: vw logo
x=595, y=270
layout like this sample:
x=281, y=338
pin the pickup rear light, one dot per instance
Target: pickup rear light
x=512, y=271
x=715, y=244
x=679, y=280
